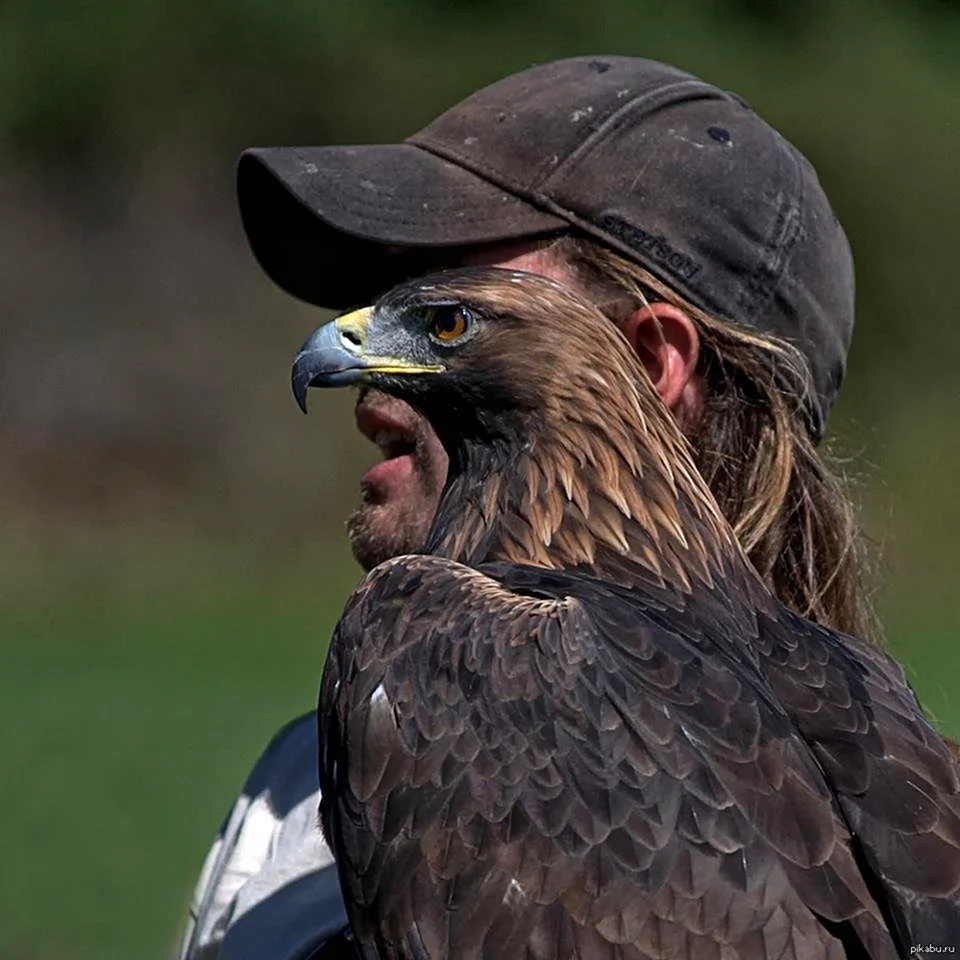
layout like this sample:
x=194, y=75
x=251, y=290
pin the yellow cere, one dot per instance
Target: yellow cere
x=352, y=326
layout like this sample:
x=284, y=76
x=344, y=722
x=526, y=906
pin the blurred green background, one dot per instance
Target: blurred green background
x=173, y=557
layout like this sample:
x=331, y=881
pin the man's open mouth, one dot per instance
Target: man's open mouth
x=381, y=422
x=393, y=443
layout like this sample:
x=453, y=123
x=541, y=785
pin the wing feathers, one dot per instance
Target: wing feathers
x=552, y=773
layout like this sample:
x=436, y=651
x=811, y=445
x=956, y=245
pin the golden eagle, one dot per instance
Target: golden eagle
x=579, y=726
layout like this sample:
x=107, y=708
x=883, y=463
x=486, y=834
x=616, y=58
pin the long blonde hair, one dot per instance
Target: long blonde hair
x=752, y=445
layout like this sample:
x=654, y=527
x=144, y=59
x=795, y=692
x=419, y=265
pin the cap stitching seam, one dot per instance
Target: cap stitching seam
x=777, y=250
x=657, y=100
x=587, y=144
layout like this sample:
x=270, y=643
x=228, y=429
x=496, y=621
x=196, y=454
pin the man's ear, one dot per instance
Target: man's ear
x=668, y=345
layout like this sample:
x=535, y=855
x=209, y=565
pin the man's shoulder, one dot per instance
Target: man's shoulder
x=286, y=771
x=269, y=868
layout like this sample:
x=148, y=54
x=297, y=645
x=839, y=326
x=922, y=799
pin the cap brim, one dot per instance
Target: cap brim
x=325, y=222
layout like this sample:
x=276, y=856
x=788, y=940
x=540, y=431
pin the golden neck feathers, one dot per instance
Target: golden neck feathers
x=601, y=479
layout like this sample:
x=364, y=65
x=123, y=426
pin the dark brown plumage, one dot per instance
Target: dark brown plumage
x=580, y=726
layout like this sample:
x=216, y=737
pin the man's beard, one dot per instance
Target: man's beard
x=380, y=529
x=373, y=540
x=398, y=505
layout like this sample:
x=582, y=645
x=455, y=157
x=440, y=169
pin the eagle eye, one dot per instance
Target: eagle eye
x=448, y=323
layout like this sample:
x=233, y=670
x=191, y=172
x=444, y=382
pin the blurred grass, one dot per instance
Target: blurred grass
x=131, y=717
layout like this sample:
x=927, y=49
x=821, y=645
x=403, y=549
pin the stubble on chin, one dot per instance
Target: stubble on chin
x=375, y=535
x=393, y=521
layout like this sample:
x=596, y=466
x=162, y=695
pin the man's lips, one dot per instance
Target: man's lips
x=395, y=435
x=392, y=434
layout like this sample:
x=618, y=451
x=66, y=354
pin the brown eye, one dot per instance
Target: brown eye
x=449, y=323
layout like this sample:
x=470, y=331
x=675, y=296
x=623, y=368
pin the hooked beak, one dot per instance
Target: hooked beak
x=335, y=355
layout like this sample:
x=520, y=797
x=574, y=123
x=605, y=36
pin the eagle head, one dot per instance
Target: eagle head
x=483, y=353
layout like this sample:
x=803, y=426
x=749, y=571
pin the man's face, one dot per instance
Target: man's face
x=400, y=495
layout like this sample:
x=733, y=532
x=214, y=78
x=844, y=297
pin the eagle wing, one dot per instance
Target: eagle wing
x=524, y=763
x=897, y=782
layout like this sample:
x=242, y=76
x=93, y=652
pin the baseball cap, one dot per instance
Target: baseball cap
x=677, y=175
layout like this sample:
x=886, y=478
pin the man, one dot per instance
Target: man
x=699, y=230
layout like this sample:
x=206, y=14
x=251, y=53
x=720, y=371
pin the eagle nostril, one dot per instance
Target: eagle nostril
x=352, y=337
